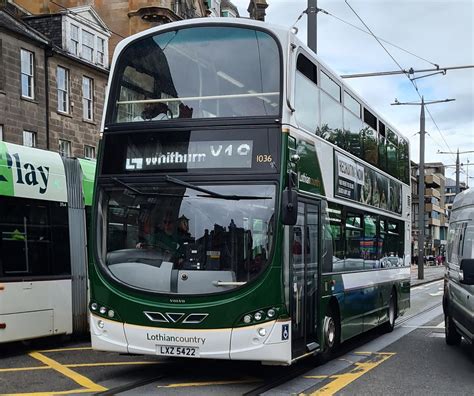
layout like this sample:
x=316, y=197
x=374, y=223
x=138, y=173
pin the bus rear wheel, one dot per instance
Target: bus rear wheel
x=389, y=325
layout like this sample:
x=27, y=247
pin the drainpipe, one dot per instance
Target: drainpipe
x=48, y=52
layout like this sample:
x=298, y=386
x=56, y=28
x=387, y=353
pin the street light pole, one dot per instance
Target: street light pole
x=421, y=195
x=312, y=12
x=421, y=182
x=458, y=187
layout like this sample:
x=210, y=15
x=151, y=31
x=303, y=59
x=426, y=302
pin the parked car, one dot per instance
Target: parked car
x=458, y=299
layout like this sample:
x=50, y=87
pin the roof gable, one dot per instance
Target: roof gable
x=87, y=15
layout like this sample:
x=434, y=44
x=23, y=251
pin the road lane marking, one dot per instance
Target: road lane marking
x=65, y=349
x=109, y=364
x=75, y=365
x=421, y=327
x=342, y=380
x=78, y=378
x=70, y=392
x=441, y=325
x=426, y=285
x=211, y=383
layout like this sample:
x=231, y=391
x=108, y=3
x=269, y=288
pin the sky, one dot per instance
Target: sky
x=434, y=32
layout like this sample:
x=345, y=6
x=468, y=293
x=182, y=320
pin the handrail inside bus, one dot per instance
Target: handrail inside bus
x=246, y=95
x=222, y=283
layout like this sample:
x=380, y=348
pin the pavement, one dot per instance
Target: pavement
x=431, y=273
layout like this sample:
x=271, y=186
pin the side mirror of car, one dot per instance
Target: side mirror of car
x=289, y=207
x=466, y=272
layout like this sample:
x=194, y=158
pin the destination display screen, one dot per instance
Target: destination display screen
x=201, y=151
x=190, y=155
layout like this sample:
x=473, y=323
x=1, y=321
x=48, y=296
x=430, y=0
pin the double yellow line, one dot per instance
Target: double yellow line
x=340, y=381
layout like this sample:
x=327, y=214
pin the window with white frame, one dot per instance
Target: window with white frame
x=87, y=98
x=27, y=74
x=75, y=40
x=29, y=138
x=64, y=148
x=100, y=51
x=89, y=152
x=1, y=132
x=62, y=78
x=87, y=43
x=87, y=46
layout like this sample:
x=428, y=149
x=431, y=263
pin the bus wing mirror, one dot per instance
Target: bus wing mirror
x=467, y=270
x=289, y=207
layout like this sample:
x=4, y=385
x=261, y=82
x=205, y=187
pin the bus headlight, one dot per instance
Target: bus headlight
x=103, y=310
x=111, y=313
x=271, y=313
x=258, y=316
x=247, y=319
x=94, y=306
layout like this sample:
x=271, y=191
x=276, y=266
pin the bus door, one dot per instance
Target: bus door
x=304, y=259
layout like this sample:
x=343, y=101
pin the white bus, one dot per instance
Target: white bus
x=43, y=289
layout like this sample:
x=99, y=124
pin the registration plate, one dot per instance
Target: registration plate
x=169, y=350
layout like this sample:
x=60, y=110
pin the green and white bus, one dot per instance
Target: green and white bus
x=248, y=204
x=43, y=259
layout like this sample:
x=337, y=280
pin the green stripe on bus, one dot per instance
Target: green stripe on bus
x=6, y=174
x=88, y=171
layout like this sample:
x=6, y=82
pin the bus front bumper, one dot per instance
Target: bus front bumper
x=267, y=342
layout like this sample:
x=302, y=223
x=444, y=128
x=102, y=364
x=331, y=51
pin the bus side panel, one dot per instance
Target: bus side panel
x=34, y=309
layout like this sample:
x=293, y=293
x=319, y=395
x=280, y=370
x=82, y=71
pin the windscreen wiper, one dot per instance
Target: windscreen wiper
x=139, y=192
x=211, y=193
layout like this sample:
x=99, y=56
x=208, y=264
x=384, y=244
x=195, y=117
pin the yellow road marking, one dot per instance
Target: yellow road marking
x=108, y=364
x=78, y=378
x=24, y=369
x=342, y=380
x=65, y=349
x=71, y=392
x=210, y=383
x=77, y=365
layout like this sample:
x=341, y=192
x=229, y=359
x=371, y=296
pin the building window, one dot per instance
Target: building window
x=89, y=152
x=62, y=78
x=75, y=40
x=87, y=46
x=100, y=51
x=27, y=74
x=87, y=105
x=65, y=148
x=1, y=132
x=29, y=139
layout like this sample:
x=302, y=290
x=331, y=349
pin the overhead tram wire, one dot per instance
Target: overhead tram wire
x=381, y=39
x=401, y=68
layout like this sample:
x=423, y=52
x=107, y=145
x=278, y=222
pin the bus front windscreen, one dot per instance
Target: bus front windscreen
x=197, y=72
x=186, y=238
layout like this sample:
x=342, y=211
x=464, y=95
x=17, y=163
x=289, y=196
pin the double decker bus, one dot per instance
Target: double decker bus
x=44, y=202
x=248, y=204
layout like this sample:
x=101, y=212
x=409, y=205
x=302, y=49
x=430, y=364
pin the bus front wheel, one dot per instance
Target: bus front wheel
x=331, y=331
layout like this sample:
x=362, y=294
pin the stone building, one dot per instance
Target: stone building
x=436, y=220
x=23, y=86
x=125, y=17
x=55, y=80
